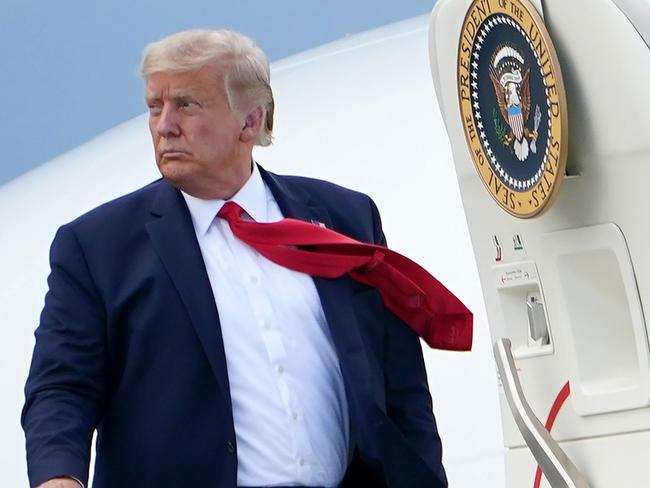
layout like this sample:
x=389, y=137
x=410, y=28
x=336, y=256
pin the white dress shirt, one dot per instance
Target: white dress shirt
x=289, y=405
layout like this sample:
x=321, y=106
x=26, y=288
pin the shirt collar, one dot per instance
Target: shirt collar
x=251, y=197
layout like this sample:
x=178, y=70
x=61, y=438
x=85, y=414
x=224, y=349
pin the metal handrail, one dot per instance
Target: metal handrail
x=556, y=465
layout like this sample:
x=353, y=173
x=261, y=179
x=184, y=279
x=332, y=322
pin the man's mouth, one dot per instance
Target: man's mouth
x=173, y=154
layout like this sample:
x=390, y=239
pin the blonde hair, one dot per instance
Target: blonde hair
x=247, y=74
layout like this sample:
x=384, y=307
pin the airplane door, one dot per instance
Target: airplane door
x=548, y=112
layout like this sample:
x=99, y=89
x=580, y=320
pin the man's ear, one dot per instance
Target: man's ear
x=252, y=125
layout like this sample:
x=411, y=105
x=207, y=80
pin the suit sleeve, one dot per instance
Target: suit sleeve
x=408, y=401
x=64, y=393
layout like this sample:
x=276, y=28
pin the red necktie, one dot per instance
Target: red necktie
x=407, y=289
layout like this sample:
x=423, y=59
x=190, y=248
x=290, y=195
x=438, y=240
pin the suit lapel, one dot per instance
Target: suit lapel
x=173, y=237
x=335, y=295
x=294, y=201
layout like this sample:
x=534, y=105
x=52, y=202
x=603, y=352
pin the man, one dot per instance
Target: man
x=199, y=361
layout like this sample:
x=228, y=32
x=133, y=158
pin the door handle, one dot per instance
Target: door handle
x=556, y=465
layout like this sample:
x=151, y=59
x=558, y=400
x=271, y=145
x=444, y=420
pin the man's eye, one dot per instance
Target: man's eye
x=188, y=104
x=154, y=109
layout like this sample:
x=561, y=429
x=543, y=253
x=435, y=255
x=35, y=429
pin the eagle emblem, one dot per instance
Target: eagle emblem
x=510, y=78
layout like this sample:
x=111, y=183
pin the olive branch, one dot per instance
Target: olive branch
x=499, y=128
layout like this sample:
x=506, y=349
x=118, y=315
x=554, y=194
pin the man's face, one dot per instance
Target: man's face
x=196, y=135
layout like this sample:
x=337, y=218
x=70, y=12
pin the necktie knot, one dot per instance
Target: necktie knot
x=230, y=212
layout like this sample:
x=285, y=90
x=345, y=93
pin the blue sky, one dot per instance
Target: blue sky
x=69, y=66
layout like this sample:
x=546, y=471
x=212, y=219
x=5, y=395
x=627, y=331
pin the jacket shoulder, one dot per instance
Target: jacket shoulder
x=121, y=210
x=324, y=191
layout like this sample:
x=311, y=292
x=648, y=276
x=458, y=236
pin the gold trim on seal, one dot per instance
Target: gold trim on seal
x=534, y=200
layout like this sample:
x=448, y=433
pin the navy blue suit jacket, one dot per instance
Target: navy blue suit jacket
x=129, y=343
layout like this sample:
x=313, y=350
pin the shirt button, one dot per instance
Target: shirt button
x=301, y=462
x=279, y=368
x=253, y=279
x=294, y=416
x=230, y=447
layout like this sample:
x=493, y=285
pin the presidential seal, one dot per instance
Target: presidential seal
x=512, y=104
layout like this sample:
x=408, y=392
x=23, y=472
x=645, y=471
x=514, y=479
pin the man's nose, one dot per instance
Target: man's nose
x=168, y=123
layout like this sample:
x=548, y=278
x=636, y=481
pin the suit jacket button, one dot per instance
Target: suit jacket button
x=230, y=447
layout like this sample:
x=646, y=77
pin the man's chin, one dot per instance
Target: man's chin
x=174, y=173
